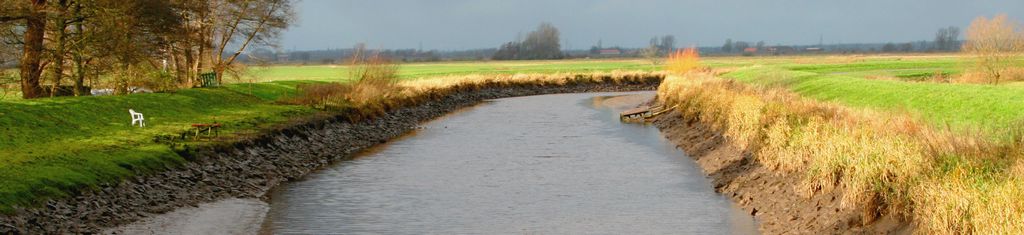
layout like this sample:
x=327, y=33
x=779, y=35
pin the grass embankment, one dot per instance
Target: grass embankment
x=55, y=147
x=885, y=162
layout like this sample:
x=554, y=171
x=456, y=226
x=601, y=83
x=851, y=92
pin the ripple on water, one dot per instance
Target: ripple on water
x=538, y=164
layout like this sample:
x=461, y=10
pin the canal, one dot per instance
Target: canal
x=539, y=164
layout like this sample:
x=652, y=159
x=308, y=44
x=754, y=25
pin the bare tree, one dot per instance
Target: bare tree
x=668, y=43
x=244, y=23
x=994, y=43
x=952, y=37
x=61, y=19
x=946, y=39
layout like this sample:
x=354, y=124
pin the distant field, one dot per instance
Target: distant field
x=890, y=83
x=422, y=70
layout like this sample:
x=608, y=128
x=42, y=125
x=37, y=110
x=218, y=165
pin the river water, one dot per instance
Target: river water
x=551, y=164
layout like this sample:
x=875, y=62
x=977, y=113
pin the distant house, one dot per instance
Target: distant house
x=750, y=50
x=813, y=49
x=610, y=52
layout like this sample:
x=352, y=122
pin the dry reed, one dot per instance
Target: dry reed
x=884, y=162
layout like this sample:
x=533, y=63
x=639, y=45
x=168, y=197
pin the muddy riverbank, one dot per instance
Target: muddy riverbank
x=249, y=168
x=768, y=196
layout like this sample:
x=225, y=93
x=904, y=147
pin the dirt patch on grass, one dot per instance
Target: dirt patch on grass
x=768, y=196
x=250, y=168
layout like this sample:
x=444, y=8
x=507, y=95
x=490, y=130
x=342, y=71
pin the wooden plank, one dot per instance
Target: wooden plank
x=634, y=111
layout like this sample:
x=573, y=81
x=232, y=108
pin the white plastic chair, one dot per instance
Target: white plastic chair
x=137, y=117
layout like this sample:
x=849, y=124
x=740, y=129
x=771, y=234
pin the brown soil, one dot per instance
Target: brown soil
x=770, y=197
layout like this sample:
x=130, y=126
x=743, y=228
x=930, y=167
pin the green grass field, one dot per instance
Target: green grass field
x=52, y=146
x=989, y=108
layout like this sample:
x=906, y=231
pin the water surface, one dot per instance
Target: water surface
x=551, y=164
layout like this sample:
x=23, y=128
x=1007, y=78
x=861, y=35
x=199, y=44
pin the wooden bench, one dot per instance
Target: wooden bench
x=208, y=80
x=210, y=129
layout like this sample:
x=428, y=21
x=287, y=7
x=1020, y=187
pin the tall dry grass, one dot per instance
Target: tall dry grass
x=948, y=183
x=683, y=61
x=371, y=90
x=974, y=75
x=375, y=89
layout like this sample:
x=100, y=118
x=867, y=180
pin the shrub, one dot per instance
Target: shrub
x=683, y=61
x=372, y=88
x=995, y=43
x=372, y=79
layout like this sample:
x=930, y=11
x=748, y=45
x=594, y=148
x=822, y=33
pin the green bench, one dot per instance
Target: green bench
x=208, y=80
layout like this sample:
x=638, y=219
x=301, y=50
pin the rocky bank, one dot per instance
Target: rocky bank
x=250, y=168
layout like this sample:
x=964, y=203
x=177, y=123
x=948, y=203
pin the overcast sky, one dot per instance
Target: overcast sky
x=470, y=24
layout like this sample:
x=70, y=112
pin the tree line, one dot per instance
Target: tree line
x=946, y=39
x=163, y=44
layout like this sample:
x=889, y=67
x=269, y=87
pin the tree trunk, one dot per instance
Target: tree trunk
x=220, y=74
x=192, y=65
x=31, y=70
x=60, y=49
x=77, y=55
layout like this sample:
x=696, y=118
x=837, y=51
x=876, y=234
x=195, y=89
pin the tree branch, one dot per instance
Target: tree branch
x=226, y=37
x=10, y=18
x=259, y=27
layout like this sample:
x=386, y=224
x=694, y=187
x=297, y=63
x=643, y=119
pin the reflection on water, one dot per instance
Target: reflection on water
x=539, y=164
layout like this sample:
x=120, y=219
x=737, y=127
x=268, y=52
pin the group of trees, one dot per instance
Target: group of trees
x=541, y=44
x=947, y=39
x=168, y=40
x=659, y=47
x=663, y=45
